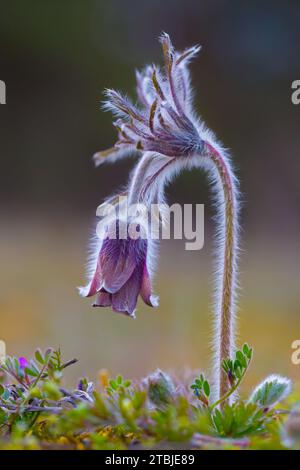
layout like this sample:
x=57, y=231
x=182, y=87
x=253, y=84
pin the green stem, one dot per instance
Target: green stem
x=225, y=397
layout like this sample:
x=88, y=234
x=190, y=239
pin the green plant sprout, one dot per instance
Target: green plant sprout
x=234, y=369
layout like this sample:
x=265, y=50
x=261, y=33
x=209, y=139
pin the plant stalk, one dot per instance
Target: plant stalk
x=227, y=261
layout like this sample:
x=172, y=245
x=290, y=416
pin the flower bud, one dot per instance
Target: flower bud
x=272, y=390
x=161, y=388
x=127, y=408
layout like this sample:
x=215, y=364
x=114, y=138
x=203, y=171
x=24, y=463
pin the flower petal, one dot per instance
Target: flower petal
x=113, y=154
x=118, y=259
x=103, y=299
x=94, y=285
x=125, y=300
x=146, y=290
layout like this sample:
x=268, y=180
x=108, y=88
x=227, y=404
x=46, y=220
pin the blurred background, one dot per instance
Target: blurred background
x=55, y=58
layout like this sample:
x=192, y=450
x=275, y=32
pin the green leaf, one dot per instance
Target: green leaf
x=16, y=365
x=30, y=372
x=246, y=350
x=6, y=395
x=240, y=419
x=113, y=384
x=34, y=367
x=225, y=366
x=218, y=419
x=39, y=357
x=119, y=379
x=48, y=355
x=241, y=358
x=206, y=388
x=272, y=390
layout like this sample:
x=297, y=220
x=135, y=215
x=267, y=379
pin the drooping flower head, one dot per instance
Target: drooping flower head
x=163, y=122
x=121, y=269
x=170, y=137
x=164, y=129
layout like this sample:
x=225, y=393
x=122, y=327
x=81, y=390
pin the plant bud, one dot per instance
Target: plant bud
x=161, y=388
x=271, y=391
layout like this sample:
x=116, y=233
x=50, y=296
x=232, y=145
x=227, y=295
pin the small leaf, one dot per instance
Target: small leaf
x=113, y=385
x=34, y=367
x=161, y=388
x=16, y=365
x=39, y=357
x=119, y=379
x=272, y=390
x=6, y=395
x=9, y=363
x=241, y=358
x=206, y=388
x=246, y=350
x=225, y=366
x=31, y=372
x=48, y=354
x=217, y=417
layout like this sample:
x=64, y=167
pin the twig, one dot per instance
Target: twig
x=281, y=412
x=63, y=366
x=32, y=408
x=69, y=363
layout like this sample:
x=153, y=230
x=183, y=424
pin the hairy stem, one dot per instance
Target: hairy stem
x=225, y=299
x=227, y=250
x=139, y=174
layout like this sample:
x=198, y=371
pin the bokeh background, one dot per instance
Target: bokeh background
x=56, y=58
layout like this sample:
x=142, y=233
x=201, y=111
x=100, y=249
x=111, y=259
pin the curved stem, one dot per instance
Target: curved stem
x=227, y=253
x=143, y=178
x=140, y=172
x=225, y=299
x=231, y=390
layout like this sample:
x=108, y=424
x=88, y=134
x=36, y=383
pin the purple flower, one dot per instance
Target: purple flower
x=164, y=128
x=171, y=138
x=23, y=362
x=164, y=122
x=121, y=273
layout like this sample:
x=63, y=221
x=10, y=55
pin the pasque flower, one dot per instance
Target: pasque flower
x=164, y=129
x=121, y=272
x=163, y=123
